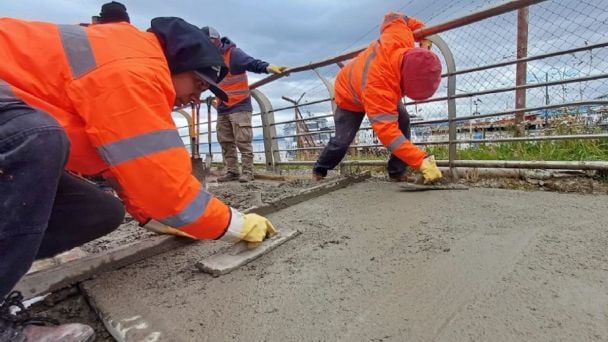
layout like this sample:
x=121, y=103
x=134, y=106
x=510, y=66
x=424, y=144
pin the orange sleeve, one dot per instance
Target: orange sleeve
x=126, y=107
x=382, y=91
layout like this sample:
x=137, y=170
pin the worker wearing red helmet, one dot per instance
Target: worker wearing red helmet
x=374, y=82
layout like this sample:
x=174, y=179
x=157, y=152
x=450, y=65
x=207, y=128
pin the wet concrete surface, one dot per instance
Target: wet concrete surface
x=238, y=195
x=377, y=264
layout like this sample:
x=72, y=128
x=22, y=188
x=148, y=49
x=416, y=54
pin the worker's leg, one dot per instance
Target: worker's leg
x=396, y=167
x=33, y=151
x=82, y=212
x=347, y=124
x=225, y=136
x=243, y=134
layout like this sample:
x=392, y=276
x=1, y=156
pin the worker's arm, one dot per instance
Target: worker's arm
x=241, y=62
x=127, y=113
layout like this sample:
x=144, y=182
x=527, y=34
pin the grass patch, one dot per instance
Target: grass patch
x=568, y=150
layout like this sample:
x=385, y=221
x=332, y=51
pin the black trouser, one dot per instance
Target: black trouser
x=44, y=210
x=347, y=124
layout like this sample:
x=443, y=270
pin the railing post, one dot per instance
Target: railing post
x=271, y=146
x=329, y=87
x=451, y=66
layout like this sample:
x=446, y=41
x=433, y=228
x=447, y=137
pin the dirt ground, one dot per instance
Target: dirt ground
x=376, y=264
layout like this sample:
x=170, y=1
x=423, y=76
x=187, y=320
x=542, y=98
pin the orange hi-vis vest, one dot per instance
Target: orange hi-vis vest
x=236, y=86
x=370, y=83
x=110, y=87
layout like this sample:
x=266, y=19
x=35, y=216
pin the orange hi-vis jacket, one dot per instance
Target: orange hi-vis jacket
x=236, y=86
x=110, y=87
x=370, y=83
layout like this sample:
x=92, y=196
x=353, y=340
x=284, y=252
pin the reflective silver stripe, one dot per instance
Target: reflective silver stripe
x=6, y=94
x=139, y=146
x=350, y=85
x=191, y=212
x=77, y=49
x=382, y=118
x=238, y=92
x=396, y=142
x=366, y=66
x=233, y=79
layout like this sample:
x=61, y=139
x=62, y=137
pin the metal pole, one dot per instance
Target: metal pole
x=546, y=99
x=330, y=89
x=521, y=69
x=209, y=153
x=271, y=147
x=451, y=66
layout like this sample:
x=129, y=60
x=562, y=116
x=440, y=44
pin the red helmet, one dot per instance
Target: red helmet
x=420, y=74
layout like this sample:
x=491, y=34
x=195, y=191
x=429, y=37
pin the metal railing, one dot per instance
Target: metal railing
x=272, y=152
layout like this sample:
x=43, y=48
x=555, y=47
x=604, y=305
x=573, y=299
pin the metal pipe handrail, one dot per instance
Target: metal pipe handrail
x=510, y=112
x=435, y=121
x=469, y=141
x=271, y=111
x=303, y=119
x=526, y=59
x=509, y=164
x=513, y=88
x=540, y=138
x=308, y=133
x=418, y=34
x=296, y=106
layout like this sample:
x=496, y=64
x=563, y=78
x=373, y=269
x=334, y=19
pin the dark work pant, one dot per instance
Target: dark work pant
x=43, y=209
x=347, y=124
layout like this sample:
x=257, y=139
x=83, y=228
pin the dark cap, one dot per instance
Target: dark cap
x=187, y=48
x=113, y=12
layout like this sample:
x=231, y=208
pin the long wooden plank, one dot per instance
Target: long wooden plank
x=63, y=275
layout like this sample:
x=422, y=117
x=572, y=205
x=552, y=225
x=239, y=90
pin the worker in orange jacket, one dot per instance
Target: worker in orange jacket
x=98, y=100
x=374, y=82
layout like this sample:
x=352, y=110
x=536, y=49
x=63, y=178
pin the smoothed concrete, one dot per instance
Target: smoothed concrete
x=374, y=263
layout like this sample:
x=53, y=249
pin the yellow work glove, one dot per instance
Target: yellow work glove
x=430, y=171
x=275, y=69
x=426, y=44
x=255, y=229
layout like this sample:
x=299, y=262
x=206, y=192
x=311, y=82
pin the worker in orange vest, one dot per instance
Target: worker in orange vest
x=98, y=100
x=234, y=116
x=374, y=82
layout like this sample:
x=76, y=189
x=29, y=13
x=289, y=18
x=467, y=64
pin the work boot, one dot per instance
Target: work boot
x=22, y=327
x=246, y=177
x=228, y=177
x=404, y=177
x=317, y=177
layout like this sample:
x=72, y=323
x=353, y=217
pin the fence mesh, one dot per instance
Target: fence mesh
x=553, y=26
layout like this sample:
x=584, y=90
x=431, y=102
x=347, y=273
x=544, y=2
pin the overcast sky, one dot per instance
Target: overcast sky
x=288, y=32
x=296, y=32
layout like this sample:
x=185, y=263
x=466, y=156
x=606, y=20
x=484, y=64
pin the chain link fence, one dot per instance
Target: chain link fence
x=569, y=85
